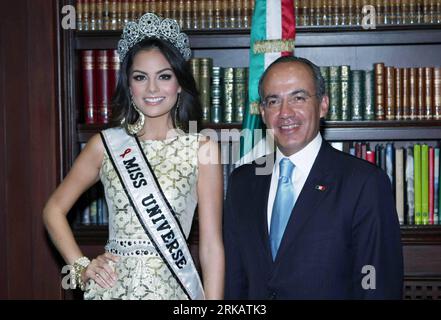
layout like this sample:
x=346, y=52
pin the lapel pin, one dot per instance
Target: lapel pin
x=320, y=187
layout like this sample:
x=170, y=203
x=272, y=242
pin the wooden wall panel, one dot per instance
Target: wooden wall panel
x=29, y=157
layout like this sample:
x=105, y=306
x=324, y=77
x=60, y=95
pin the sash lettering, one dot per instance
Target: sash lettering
x=153, y=211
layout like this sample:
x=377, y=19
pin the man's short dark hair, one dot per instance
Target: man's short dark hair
x=319, y=82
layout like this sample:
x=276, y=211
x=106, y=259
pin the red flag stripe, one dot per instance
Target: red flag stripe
x=288, y=22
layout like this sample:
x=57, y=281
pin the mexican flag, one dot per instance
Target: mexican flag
x=272, y=35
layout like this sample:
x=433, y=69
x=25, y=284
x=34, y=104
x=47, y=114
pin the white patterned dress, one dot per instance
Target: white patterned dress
x=141, y=272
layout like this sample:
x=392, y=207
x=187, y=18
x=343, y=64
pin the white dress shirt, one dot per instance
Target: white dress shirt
x=303, y=161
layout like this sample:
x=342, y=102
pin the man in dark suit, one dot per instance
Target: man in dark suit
x=322, y=224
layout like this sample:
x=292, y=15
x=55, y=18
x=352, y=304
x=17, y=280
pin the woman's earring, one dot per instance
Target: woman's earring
x=177, y=122
x=139, y=124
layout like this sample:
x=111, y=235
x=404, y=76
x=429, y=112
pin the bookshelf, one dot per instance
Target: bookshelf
x=397, y=45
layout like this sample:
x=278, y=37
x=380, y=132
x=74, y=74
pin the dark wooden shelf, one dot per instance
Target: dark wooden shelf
x=382, y=130
x=334, y=130
x=319, y=36
x=426, y=235
x=415, y=235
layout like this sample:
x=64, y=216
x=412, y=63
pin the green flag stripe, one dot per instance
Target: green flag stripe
x=257, y=65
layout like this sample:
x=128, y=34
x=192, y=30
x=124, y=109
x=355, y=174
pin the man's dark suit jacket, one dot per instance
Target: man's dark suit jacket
x=344, y=219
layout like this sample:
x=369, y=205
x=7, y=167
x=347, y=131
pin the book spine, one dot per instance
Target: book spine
x=210, y=13
x=405, y=93
x=334, y=113
x=370, y=156
x=410, y=186
x=379, y=91
x=431, y=185
x=428, y=72
x=92, y=15
x=380, y=11
x=86, y=18
x=102, y=86
x=106, y=15
x=79, y=13
x=326, y=78
x=399, y=94
x=390, y=93
x=390, y=162
x=195, y=12
x=418, y=183
x=216, y=93
x=195, y=67
x=356, y=94
x=437, y=92
x=398, y=14
x=88, y=66
x=399, y=184
x=228, y=95
x=217, y=10
x=345, y=101
x=405, y=12
x=113, y=8
x=202, y=14
x=413, y=90
x=437, y=187
x=133, y=10
x=424, y=184
x=421, y=102
x=369, y=94
x=206, y=64
x=240, y=93
x=166, y=8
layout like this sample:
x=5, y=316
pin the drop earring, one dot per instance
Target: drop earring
x=139, y=123
x=176, y=116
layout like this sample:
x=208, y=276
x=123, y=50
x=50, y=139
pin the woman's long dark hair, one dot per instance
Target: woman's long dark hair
x=189, y=104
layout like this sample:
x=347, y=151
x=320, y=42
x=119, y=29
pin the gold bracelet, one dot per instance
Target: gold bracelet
x=78, y=267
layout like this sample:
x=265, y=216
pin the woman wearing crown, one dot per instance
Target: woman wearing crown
x=154, y=174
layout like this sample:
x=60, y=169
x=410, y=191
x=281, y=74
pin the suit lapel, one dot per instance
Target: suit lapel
x=260, y=200
x=308, y=200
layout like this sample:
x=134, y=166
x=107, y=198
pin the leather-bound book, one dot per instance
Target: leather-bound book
x=421, y=93
x=437, y=93
x=413, y=94
x=429, y=93
x=390, y=93
x=379, y=91
x=405, y=89
x=102, y=86
x=399, y=94
x=88, y=72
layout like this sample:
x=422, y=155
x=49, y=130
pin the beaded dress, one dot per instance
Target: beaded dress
x=141, y=272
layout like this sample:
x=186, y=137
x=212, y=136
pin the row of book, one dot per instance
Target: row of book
x=100, y=75
x=94, y=210
x=414, y=172
x=350, y=12
x=385, y=93
x=223, y=91
x=237, y=14
x=190, y=14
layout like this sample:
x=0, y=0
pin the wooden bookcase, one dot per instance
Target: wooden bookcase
x=400, y=46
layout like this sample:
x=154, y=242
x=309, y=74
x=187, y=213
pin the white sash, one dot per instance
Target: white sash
x=152, y=208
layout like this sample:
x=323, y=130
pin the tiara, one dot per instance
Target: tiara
x=150, y=25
